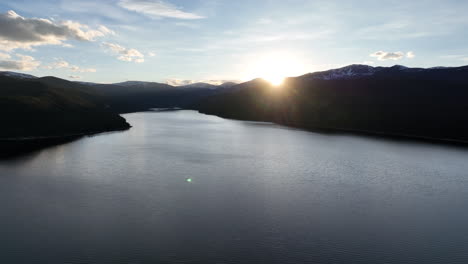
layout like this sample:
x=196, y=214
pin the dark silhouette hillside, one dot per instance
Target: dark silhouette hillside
x=50, y=106
x=396, y=101
x=44, y=111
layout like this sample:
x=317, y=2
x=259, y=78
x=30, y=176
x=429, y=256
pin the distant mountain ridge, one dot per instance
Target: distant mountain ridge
x=142, y=84
x=132, y=96
x=17, y=75
x=52, y=107
x=356, y=71
x=199, y=85
x=397, y=100
x=352, y=71
x=424, y=102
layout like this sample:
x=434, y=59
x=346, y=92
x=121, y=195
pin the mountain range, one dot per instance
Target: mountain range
x=400, y=101
x=356, y=71
x=415, y=102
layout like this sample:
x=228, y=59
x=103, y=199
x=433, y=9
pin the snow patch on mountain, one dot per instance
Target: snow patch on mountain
x=348, y=72
x=17, y=75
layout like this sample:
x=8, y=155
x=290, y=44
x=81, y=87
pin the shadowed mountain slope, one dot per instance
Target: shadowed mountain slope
x=41, y=107
x=394, y=100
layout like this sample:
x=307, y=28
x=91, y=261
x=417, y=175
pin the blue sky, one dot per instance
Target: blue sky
x=202, y=40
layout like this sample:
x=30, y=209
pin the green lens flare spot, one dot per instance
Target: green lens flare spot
x=188, y=180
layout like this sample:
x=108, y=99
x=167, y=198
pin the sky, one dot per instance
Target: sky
x=186, y=41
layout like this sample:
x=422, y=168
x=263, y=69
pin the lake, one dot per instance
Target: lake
x=258, y=193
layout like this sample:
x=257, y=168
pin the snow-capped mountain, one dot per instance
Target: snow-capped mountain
x=202, y=85
x=17, y=75
x=87, y=83
x=199, y=85
x=134, y=83
x=228, y=84
x=347, y=72
x=357, y=71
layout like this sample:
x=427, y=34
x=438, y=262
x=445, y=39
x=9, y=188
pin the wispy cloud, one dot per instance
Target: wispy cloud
x=57, y=65
x=397, y=28
x=4, y=56
x=62, y=64
x=106, y=9
x=125, y=54
x=18, y=32
x=410, y=55
x=157, y=9
x=383, y=55
x=21, y=63
x=78, y=69
x=105, y=30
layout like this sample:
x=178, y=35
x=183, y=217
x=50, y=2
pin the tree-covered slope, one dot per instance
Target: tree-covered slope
x=395, y=100
x=52, y=107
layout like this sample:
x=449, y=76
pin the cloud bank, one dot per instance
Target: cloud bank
x=17, y=32
x=157, y=9
x=21, y=63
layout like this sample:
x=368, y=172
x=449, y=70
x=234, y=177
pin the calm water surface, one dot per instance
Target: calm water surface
x=260, y=193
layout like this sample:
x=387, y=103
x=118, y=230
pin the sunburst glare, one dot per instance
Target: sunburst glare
x=274, y=67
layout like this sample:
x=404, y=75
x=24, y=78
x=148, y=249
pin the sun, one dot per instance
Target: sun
x=274, y=67
x=275, y=78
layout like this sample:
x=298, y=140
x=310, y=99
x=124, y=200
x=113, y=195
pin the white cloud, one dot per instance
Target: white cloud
x=105, y=30
x=78, y=69
x=18, y=32
x=61, y=64
x=157, y=9
x=4, y=56
x=74, y=77
x=410, y=55
x=125, y=54
x=22, y=63
x=151, y=54
x=383, y=55
x=178, y=82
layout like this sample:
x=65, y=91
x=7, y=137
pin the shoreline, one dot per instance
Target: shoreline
x=14, y=147
x=369, y=133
